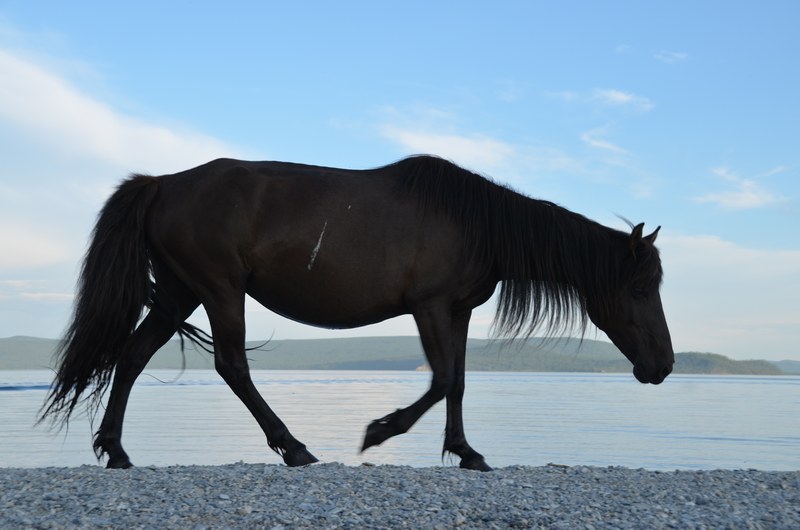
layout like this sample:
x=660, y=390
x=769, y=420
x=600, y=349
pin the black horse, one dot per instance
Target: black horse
x=340, y=248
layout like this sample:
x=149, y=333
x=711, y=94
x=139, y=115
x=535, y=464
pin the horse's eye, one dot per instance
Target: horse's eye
x=638, y=292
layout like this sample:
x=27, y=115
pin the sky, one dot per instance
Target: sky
x=678, y=114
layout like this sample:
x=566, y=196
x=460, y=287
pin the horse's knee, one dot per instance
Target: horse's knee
x=441, y=386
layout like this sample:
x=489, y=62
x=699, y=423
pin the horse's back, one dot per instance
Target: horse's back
x=327, y=246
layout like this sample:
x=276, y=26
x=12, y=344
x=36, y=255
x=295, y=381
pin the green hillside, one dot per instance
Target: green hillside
x=789, y=367
x=405, y=353
x=711, y=363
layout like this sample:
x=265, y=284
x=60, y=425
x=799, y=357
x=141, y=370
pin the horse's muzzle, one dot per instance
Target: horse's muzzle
x=654, y=377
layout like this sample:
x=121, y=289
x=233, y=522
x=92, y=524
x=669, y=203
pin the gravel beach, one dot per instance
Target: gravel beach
x=338, y=496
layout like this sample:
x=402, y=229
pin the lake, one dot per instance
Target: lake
x=689, y=422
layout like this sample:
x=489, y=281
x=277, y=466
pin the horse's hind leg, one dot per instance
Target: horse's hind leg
x=170, y=309
x=154, y=331
x=226, y=316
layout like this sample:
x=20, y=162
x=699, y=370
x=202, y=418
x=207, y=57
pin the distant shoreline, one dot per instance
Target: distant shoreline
x=405, y=353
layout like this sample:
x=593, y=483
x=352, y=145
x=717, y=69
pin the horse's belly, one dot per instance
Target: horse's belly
x=329, y=304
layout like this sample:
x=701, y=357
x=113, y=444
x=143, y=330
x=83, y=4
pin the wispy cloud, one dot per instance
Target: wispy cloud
x=32, y=290
x=567, y=96
x=19, y=284
x=706, y=313
x=744, y=193
x=671, y=57
x=434, y=131
x=621, y=98
x=605, y=97
x=774, y=171
x=26, y=247
x=48, y=297
x=527, y=166
x=50, y=109
x=431, y=130
x=627, y=173
x=42, y=112
x=594, y=138
x=475, y=150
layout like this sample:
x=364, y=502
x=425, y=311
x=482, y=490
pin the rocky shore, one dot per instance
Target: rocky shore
x=338, y=496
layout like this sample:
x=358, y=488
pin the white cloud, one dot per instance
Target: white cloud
x=474, y=151
x=605, y=97
x=529, y=167
x=729, y=299
x=52, y=112
x=65, y=152
x=19, y=284
x=620, y=98
x=62, y=151
x=594, y=139
x=433, y=131
x=32, y=290
x=671, y=57
x=775, y=171
x=48, y=297
x=746, y=193
x=567, y=96
x=25, y=247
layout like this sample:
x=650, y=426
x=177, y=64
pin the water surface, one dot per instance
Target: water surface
x=689, y=422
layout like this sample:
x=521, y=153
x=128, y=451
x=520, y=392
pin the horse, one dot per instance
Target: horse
x=341, y=248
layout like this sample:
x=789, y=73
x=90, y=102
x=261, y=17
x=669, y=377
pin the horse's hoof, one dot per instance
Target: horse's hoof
x=476, y=463
x=377, y=433
x=299, y=457
x=119, y=464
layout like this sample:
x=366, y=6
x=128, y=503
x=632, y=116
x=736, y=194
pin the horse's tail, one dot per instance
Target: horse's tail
x=113, y=289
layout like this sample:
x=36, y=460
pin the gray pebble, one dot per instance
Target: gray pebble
x=338, y=496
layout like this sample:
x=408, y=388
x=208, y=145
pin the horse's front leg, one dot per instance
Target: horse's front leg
x=455, y=441
x=227, y=323
x=433, y=323
x=444, y=339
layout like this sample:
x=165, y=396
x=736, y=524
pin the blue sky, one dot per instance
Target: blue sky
x=680, y=114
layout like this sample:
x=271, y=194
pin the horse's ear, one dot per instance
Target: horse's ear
x=636, y=236
x=652, y=237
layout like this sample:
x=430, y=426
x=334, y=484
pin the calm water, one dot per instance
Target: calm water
x=690, y=422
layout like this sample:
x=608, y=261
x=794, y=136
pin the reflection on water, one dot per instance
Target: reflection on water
x=689, y=422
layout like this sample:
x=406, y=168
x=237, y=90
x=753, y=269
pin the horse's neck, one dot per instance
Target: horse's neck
x=558, y=246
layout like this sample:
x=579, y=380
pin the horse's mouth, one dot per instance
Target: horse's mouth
x=653, y=377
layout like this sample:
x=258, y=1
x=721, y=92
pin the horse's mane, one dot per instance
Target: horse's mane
x=551, y=262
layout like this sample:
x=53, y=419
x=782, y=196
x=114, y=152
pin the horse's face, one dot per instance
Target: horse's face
x=633, y=317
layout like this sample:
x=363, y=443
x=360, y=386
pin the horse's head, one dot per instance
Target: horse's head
x=632, y=316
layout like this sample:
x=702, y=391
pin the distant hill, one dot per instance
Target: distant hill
x=711, y=363
x=26, y=353
x=405, y=353
x=789, y=367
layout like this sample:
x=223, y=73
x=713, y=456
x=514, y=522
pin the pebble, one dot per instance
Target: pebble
x=338, y=496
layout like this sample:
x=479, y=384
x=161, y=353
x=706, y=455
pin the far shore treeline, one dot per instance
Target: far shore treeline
x=405, y=353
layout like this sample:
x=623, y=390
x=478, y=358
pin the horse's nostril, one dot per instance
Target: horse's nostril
x=665, y=372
